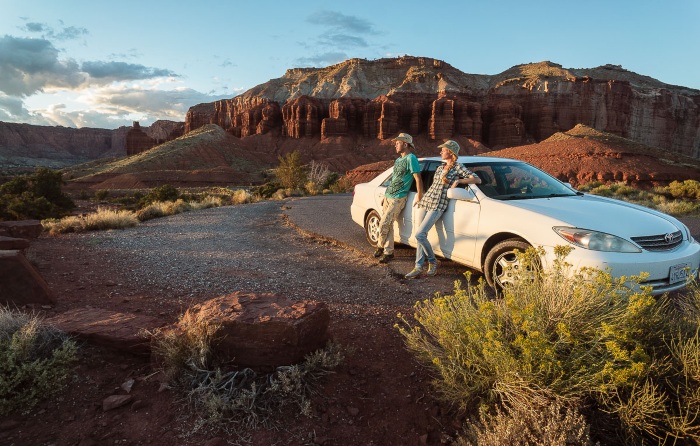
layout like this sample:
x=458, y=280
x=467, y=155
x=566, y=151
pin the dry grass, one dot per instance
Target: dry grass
x=104, y=218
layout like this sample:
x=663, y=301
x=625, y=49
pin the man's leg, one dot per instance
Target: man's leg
x=391, y=212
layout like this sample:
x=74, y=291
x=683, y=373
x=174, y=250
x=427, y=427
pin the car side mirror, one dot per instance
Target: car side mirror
x=458, y=193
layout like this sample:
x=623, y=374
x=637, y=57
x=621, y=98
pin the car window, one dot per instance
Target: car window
x=517, y=180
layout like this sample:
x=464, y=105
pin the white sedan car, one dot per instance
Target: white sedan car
x=517, y=206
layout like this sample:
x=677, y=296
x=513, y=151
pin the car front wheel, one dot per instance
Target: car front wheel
x=372, y=227
x=502, y=264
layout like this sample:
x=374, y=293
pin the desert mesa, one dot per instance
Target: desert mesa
x=345, y=115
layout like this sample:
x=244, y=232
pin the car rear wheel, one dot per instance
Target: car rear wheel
x=372, y=227
x=502, y=263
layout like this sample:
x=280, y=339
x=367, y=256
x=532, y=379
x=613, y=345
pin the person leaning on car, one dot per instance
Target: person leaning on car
x=406, y=169
x=434, y=203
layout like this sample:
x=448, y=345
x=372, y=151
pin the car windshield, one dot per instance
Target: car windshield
x=514, y=180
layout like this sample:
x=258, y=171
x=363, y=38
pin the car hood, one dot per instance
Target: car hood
x=601, y=214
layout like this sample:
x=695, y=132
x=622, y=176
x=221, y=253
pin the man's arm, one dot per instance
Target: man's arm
x=419, y=187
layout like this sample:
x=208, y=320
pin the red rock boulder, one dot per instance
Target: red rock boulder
x=262, y=330
x=21, y=228
x=20, y=283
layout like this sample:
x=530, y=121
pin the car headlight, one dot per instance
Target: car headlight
x=594, y=240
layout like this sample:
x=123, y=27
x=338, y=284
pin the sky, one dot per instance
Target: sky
x=87, y=63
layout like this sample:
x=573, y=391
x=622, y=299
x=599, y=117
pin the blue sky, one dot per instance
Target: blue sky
x=80, y=63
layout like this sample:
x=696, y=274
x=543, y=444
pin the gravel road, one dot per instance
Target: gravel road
x=304, y=248
x=263, y=247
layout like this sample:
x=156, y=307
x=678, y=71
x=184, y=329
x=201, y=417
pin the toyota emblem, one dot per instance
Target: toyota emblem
x=668, y=238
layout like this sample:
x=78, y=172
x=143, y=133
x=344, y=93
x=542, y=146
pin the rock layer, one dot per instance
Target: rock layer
x=423, y=96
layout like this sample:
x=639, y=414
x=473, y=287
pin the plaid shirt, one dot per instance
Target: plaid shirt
x=435, y=199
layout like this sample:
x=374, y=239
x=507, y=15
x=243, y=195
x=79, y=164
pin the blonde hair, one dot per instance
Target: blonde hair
x=448, y=166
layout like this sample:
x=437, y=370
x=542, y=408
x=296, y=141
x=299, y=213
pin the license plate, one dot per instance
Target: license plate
x=678, y=273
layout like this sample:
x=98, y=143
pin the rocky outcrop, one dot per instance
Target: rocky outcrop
x=139, y=140
x=423, y=96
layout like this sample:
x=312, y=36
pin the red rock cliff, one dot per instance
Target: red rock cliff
x=423, y=96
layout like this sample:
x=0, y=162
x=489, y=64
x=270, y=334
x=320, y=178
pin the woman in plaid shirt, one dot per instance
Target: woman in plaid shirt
x=434, y=203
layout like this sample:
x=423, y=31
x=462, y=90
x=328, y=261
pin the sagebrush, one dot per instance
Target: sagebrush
x=35, y=360
x=572, y=338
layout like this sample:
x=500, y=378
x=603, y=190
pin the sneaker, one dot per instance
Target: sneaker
x=386, y=258
x=378, y=252
x=432, y=269
x=414, y=273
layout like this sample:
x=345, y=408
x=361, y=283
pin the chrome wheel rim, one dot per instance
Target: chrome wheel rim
x=505, y=268
x=373, y=229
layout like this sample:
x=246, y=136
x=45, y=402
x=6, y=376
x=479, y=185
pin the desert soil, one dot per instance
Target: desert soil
x=380, y=395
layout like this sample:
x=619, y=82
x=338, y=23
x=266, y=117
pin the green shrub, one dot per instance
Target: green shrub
x=290, y=172
x=101, y=194
x=267, y=190
x=35, y=361
x=162, y=193
x=570, y=337
x=676, y=199
x=36, y=196
x=686, y=189
x=341, y=185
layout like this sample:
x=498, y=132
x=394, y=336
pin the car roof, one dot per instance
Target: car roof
x=472, y=159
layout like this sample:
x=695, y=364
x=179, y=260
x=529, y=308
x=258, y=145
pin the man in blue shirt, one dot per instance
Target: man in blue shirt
x=406, y=169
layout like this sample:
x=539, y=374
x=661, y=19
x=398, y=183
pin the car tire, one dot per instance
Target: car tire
x=496, y=264
x=372, y=227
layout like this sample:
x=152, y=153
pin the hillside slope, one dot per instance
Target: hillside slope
x=208, y=156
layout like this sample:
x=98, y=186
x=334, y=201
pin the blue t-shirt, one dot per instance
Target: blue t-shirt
x=402, y=176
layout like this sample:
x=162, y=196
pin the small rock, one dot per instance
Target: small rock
x=8, y=425
x=127, y=385
x=114, y=401
x=138, y=405
x=353, y=411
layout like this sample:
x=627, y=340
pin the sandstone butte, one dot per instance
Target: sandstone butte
x=433, y=100
x=346, y=114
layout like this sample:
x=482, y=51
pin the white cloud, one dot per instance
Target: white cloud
x=29, y=65
x=121, y=103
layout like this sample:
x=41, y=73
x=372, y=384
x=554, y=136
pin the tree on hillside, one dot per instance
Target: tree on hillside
x=36, y=196
x=291, y=173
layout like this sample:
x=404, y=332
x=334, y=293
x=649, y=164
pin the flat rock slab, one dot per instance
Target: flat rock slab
x=263, y=329
x=122, y=331
x=20, y=282
x=13, y=243
x=21, y=229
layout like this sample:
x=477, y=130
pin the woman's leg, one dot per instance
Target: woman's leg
x=424, y=250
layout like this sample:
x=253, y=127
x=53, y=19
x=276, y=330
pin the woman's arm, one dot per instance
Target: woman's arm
x=472, y=179
x=468, y=177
